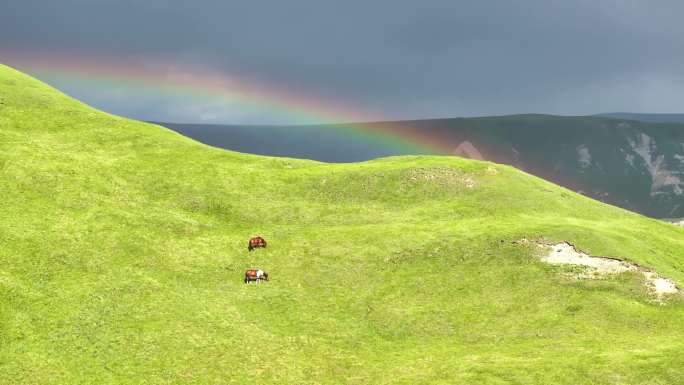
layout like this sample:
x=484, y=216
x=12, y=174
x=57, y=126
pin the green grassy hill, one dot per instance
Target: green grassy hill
x=615, y=159
x=123, y=247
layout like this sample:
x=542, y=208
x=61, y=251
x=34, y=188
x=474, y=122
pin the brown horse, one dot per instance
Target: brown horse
x=255, y=275
x=256, y=242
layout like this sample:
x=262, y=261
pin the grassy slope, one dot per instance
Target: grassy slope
x=611, y=170
x=123, y=247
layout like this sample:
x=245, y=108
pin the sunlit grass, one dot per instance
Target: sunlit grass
x=123, y=247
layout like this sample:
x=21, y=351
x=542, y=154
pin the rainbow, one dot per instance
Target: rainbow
x=154, y=78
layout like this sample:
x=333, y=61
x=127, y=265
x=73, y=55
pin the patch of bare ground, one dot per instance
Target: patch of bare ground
x=491, y=170
x=442, y=175
x=564, y=253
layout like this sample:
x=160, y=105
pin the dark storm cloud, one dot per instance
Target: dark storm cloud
x=405, y=58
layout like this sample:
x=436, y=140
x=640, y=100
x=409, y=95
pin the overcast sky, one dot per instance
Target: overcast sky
x=406, y=59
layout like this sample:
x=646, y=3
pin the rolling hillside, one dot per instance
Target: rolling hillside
x=123, y=247
x=635, y=165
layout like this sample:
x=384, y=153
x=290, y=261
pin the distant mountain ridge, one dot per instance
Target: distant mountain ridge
x=630, y=163
x=647, y=118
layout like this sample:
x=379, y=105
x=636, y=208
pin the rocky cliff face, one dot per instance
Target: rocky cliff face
x=663, y=162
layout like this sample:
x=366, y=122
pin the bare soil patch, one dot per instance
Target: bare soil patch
x=564, y=253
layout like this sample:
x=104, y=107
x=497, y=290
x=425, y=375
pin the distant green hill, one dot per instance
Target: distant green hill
x=628, y=163
x=123, y=247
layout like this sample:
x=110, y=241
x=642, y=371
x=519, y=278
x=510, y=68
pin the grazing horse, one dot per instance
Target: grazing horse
x=256, y=242
x=255, y=275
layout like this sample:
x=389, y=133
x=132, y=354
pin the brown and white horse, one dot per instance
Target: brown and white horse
x=256, y=242
x=255, y=275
